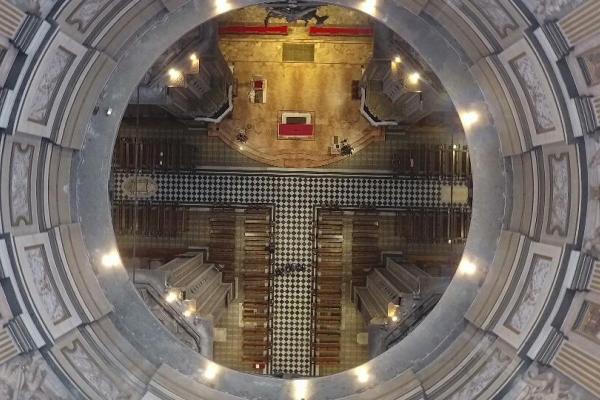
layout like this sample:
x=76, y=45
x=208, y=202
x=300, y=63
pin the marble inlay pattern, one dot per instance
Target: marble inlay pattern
x=484, y=376
x=85, y=13
x=538, y=278
x=37, y=262
x=28, y=377
x=560, y=196
x=497, y=16
x=294, y=198
x=590, y=65
x=49, y=84
x=140, y=187
x=92, y=373
x=524, y=68
x=21, y=163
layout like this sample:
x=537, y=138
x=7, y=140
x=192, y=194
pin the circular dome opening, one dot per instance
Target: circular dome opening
x=291, y=189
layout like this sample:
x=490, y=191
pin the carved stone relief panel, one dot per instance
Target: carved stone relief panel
x=560, y=194
x=588, y=321
x=551, y=9
x=532, y=85
x=591, y=241
x=92, y=372
x=28, y=377
x=36, y=260
x=589, y=63
x=89, y=370
x=528, y=292
x=85, y=13
x=498, y=16
x=536, y=103
x=21, y=168
x=20, y=158
x=46, y=291
x=544, y=383
x=484, y=376
x=537, y=280
x=52, y=79
x=494, y=13
x=44, y=93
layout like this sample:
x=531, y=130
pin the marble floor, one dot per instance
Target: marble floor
x=322, y=87
x=294, y=197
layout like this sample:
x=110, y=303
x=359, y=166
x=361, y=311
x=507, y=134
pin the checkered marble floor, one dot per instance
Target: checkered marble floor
x=294, y=197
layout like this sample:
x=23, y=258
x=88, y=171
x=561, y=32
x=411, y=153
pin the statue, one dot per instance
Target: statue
x=293, y=11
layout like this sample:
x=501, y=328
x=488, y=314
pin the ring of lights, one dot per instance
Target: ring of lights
x=405, y=370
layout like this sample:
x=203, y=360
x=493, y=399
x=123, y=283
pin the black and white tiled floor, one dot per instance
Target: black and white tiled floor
x=294, y=198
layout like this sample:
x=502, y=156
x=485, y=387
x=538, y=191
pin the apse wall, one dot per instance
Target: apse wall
x=522, y=326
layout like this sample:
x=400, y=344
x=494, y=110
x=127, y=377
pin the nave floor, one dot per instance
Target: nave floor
x=294, y=197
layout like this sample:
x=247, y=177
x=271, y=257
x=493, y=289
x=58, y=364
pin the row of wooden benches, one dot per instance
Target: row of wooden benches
x=221, y=242
x=150, y=220
x=328, y=293
x=433, y=226
x=432, y=160
x=152, y=154
x=256, y=281
x=365, y=248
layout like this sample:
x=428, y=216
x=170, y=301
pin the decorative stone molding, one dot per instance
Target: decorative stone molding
x=529, y=188
x=580, y=366
x=543, y=121
x=11, y=20
x=8, y=348
x=488, y=305
x=39, y=274
x=91, y=302
x=168, y=383
x=594, y=283
x=582, y=22
x=20, y=158
x=497, y=21
x=485, y=365
x=530, y=291
x=563, y=198
x=29, y=377
x=51, y=77
x=93, y=374
x=540, y=382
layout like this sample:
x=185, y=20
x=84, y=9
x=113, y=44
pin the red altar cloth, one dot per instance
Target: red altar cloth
x=297, y=130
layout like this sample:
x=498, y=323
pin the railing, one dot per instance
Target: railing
x=408, y=323
x=154, y=284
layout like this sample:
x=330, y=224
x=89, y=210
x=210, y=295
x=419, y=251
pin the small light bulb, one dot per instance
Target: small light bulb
x=368, y=6
x=395, y=318
x=469, y=118
x=362, y=375
x=171, y=297
x=111, y=259
x=466, y=267
x=300, y=389
x=414, y=78
x=211, y=371
x=397, y=59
